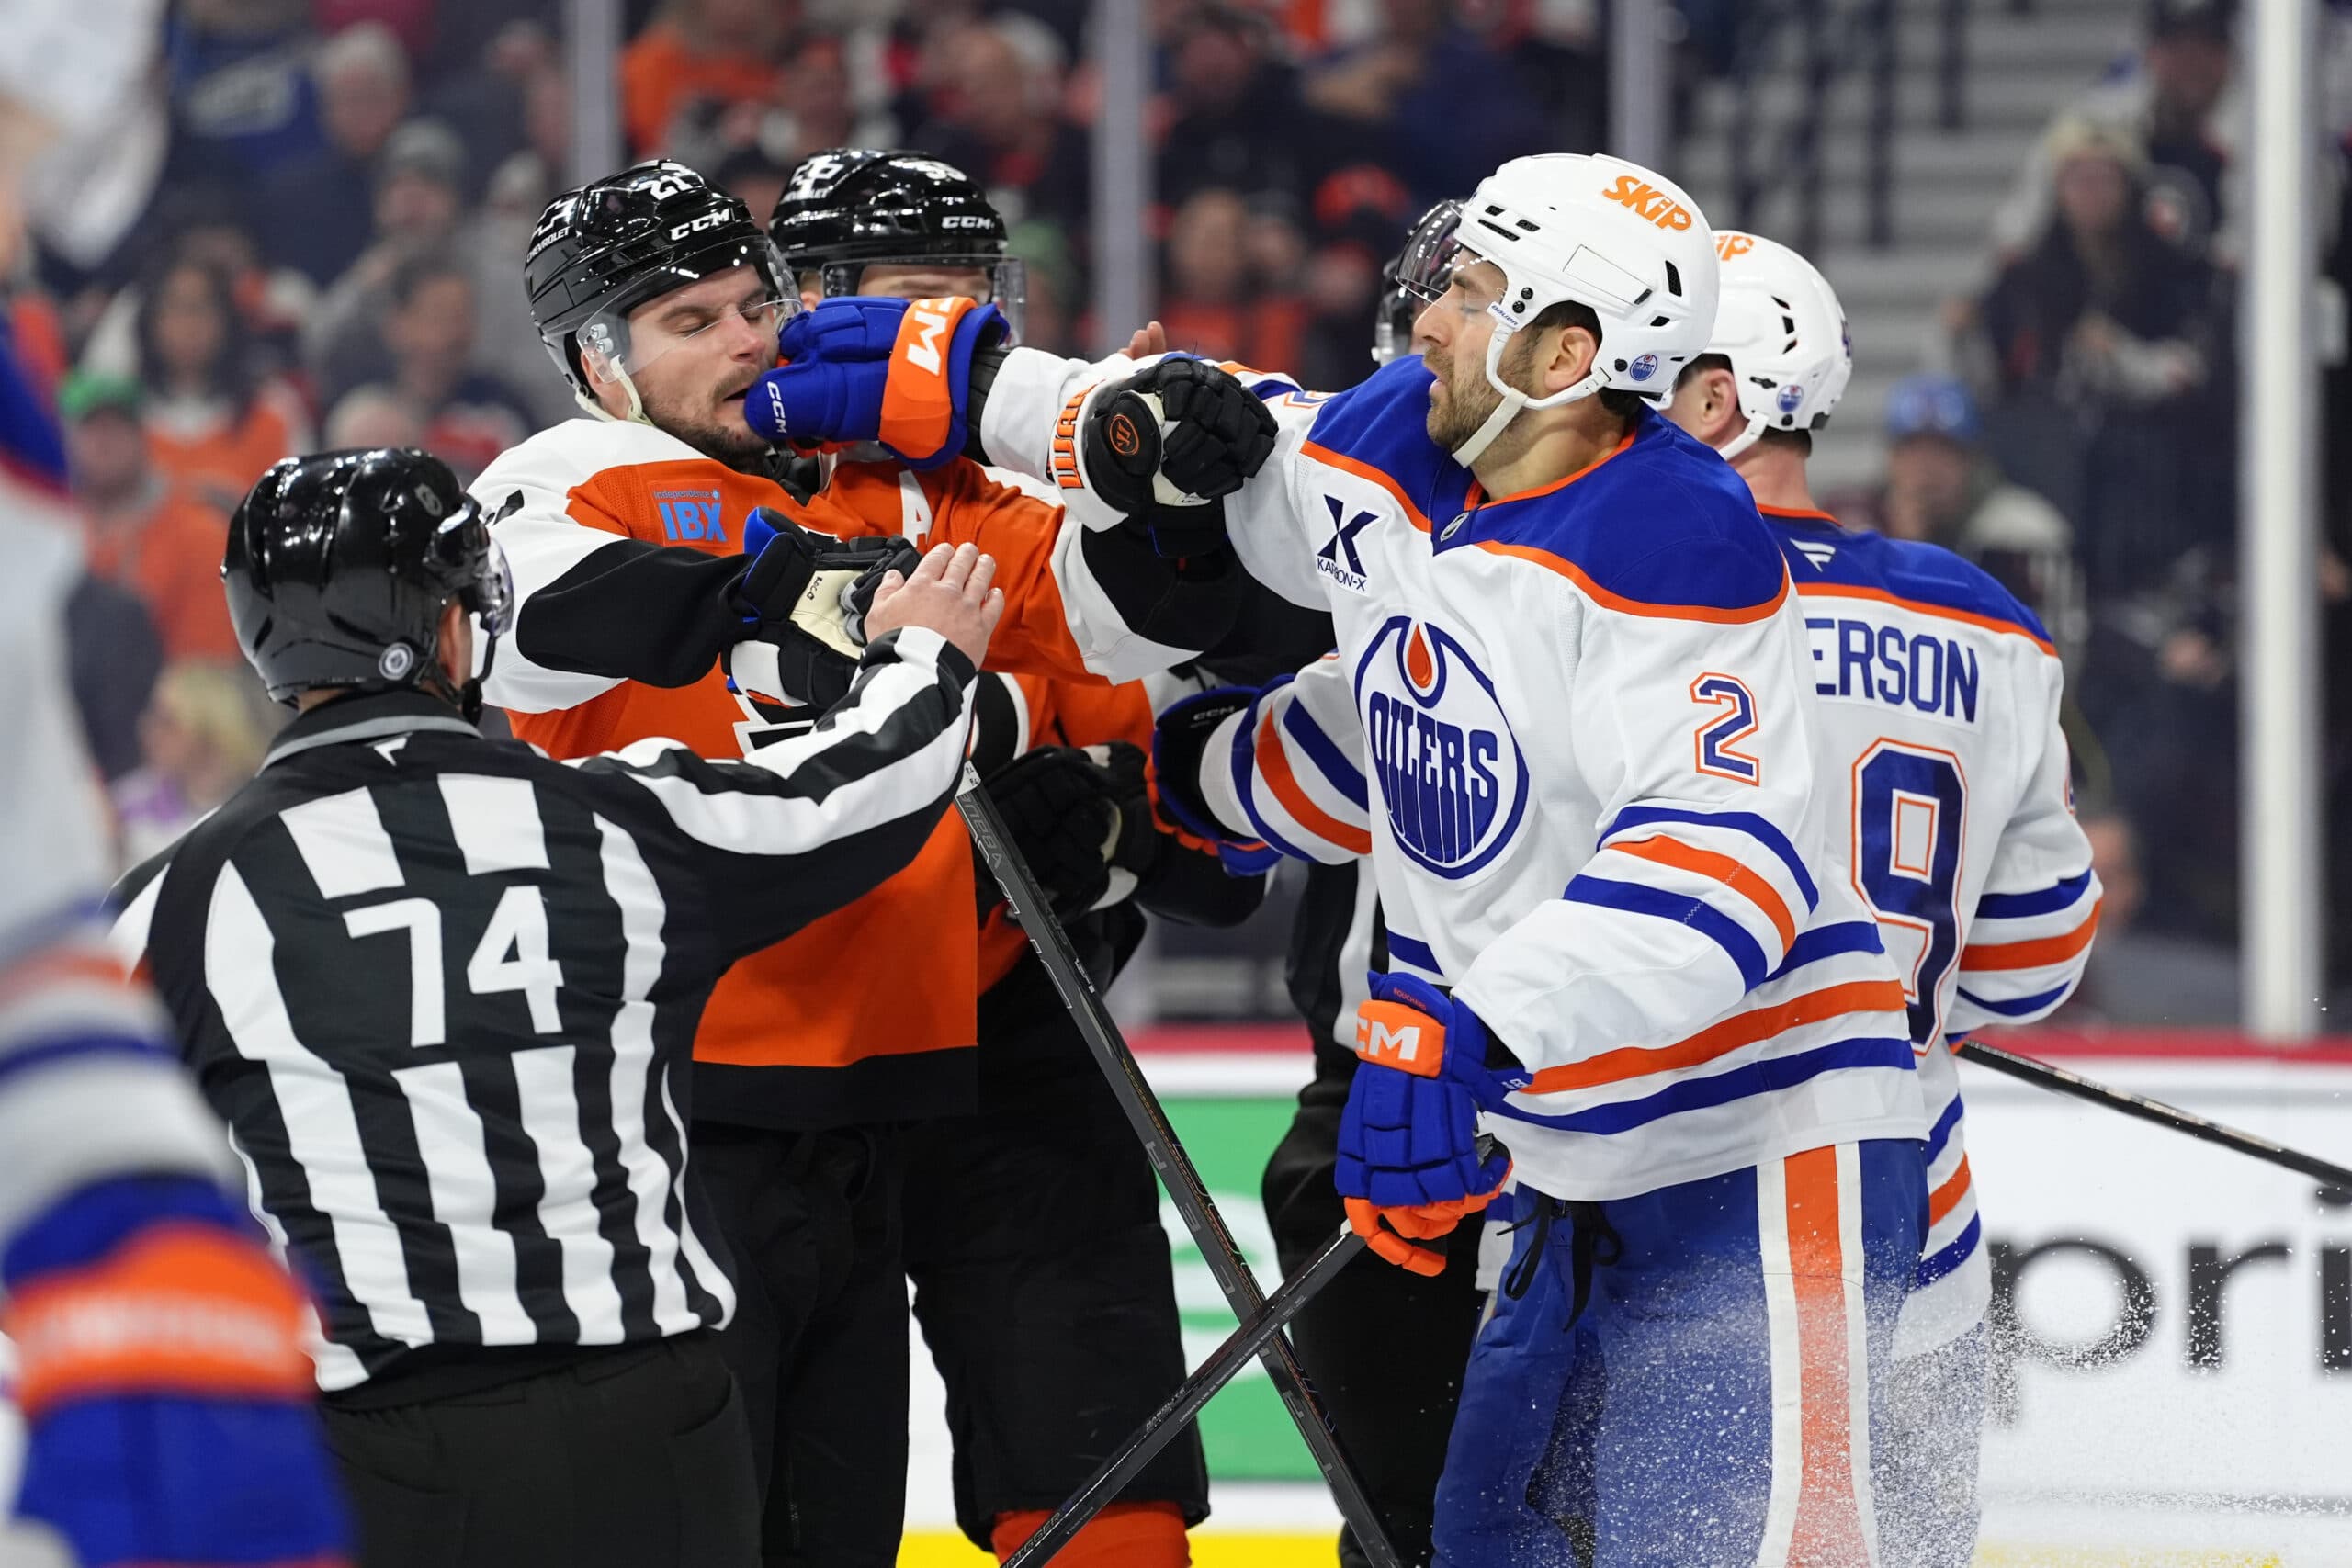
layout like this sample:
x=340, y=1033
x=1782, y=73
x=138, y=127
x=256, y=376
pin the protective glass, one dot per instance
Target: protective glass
x=494, y=596
x=609, y=347
x=1007, y=289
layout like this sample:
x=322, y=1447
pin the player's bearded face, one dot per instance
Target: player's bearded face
x=694, y=388
x=1452, y=335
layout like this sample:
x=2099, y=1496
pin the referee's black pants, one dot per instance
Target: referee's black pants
x=819, y=1340
x=634, y=1457
x=1385, y=1346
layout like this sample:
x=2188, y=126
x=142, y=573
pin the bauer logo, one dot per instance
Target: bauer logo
x=1452, y=778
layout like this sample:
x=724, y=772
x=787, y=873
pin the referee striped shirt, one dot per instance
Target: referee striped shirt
x=444, y=991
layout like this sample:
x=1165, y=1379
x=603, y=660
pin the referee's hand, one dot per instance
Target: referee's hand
x=949, y=593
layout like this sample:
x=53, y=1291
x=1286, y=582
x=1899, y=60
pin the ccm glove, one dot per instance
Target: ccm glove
x=1410, y=1154
x=894, y=371
x=1081, y=817
x=1180, y=739
x=1168, y=442
x=167, y=1398
x=801, y=605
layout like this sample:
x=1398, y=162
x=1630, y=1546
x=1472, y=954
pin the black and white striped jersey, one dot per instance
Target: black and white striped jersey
x=444, y=990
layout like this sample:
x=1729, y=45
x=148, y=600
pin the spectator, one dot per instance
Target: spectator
x=420, y=200
x=996, y=113
x=373, y=415
x=2171, y=109
x=1236, y=118
x=468, y=417
x=140, y=534
x=698, y=57
x=113, y=656
x=271, y=304
x=2102, y=338
x=241, y=90
x=203, y=735
x=212, y=422
x=2137, y=977
x=1423, y=70
x=1941, y=488
x=306, y=217
x=1216, y=307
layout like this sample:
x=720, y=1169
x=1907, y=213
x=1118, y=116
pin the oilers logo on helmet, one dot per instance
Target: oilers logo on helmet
x=1451, y=773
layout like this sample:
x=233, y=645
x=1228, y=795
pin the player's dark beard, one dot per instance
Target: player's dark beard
x=1469, y=398
x=734, y=445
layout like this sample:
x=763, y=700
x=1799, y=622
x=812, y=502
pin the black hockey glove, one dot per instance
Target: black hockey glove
x=1170, y=441
x=1082, y=820
x=1179, y=738
x=800, y=608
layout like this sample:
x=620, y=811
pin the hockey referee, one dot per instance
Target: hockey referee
x=444, y=991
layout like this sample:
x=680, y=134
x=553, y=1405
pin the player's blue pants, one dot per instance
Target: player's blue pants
x=1714, y=1403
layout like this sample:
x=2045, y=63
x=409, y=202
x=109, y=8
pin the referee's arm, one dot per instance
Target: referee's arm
x=849, y=804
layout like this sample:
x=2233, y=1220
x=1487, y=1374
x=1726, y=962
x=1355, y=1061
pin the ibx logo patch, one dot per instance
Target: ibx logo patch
x=1451, y=774
x=690, y=514
x=1337, y=559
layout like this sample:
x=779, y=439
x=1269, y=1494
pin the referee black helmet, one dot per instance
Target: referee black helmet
x=341, y=564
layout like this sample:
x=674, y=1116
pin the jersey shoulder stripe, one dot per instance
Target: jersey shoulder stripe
x=1378, y=430
x=1658, y=526
x=1907, y=573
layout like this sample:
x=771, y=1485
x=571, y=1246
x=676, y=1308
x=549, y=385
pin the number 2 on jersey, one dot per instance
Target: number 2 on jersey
x=1910, y=806
x=1735, y=721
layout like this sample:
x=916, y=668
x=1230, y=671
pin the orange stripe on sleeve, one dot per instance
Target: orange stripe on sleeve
x=1990, y=622
x=1743, y=615
x=1661, y=849
x=1978, y=959
x=1722, y=1039
x=1274, y=764
x=1945, y=1199
x=1365, y=471
x=1828, y=1516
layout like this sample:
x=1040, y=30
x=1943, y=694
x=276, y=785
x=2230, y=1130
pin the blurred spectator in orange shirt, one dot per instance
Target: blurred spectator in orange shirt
x=212, y=425
x=139, y=533
x=1216, y=307
x=722, y=52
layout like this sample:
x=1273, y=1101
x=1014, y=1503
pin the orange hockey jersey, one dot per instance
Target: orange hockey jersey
x=622, y=540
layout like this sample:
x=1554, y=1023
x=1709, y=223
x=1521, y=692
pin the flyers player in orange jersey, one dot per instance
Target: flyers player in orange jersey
x=659, y=299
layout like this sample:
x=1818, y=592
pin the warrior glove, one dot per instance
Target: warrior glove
x=802, y=604
x=1409, y=1149
x=1169, y=442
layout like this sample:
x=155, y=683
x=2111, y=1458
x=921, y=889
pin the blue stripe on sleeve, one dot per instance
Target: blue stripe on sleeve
x=1417, y=954
x=1328, y=760
x=1818, y=942
x=26, y=1058
x=1941, y=1134
x=1936, y=1265
x=1245, y=762
x=1698, y=1094
x=2023, y=1007
x=2019, y=906
x=1697, y=913
x=1745, y=822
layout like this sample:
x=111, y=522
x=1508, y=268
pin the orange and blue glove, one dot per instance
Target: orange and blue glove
x=898, y=372
x=168, y=1398
x=1412, y=1160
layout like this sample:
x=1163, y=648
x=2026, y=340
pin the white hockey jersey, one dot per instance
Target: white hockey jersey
x=1938, y=743
x=1589, y=802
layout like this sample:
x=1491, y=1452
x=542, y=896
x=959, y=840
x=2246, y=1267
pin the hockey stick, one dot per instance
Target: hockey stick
x=1249, y=1339
x=1175, y=1167
x=2047, y=1077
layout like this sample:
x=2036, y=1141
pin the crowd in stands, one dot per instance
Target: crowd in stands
x=310, y=231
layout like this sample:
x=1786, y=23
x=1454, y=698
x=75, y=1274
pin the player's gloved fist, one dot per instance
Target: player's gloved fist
x=1409, y=1150
x=893, y=371
x=1081, y=817
x=1169, y=440
x=801, y=604
x=167, y=1398
x=1179, y=741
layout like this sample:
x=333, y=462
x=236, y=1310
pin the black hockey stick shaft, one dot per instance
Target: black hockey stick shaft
x=1249, y=1339
x=2047, y=1077
x=1177, y=1173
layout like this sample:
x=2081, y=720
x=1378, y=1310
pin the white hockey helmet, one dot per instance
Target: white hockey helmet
x=1781, y=327
x=1624, y=241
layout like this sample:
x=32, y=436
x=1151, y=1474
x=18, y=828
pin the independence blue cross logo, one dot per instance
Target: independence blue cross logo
x=1343, y=535
x=690, y=514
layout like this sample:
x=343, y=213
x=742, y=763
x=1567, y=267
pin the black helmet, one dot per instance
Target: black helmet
x=847, y=208
x=601, y=251
x=340, y=565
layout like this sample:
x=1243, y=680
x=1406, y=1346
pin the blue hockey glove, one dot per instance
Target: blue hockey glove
x=168, y=1398
x=1180, y=738
x=1409, y=1150
x=892, y=371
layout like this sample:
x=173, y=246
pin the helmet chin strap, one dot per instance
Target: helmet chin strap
x=636, y=414
x=1744, y=440
x=1468, y=452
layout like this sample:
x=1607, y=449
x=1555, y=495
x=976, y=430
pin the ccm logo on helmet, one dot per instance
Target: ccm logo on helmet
x=1650, y=202
x=707, y=220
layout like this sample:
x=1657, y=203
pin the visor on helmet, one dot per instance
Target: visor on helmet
x=1425, y=266
x=1007, y=287
x=609, y=346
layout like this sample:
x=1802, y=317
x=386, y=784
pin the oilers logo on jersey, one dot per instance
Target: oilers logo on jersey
x=1449, y=770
